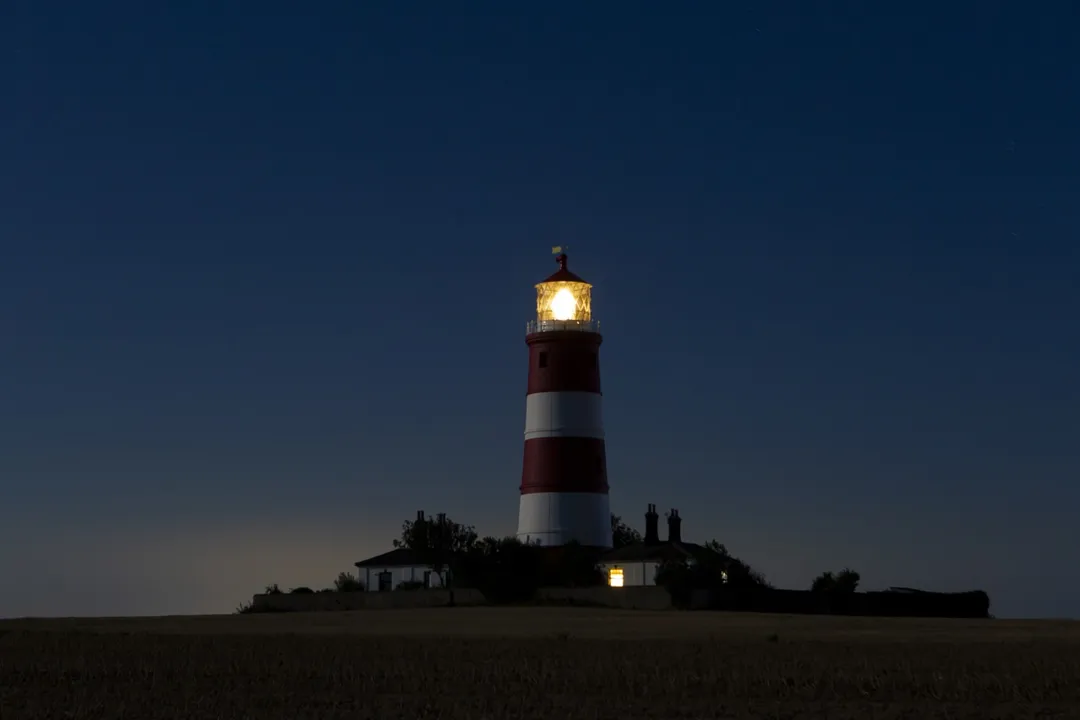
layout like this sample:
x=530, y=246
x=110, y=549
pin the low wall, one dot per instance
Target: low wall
x=801, y=602
x=631, y=598
x=924, y=604
x=329, y=601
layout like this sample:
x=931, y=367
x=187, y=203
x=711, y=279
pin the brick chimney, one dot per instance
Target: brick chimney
x=652, y=531
x=674, y=526
x=419, y=516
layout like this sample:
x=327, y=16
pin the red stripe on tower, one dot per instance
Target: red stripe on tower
x=564, y=490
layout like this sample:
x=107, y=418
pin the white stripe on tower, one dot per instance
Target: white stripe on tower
x=563, y=414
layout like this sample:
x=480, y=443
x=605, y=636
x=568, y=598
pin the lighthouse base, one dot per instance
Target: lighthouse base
x=558, y=518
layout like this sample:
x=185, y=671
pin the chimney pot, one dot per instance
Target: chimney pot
x=652, y=533
x=674, y=524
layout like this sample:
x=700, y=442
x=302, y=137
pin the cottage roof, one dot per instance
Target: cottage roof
x=399, y=557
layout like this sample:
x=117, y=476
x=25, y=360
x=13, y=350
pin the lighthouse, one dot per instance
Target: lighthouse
x=564, y=488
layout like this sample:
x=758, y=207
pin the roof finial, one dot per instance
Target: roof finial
x=560, y=256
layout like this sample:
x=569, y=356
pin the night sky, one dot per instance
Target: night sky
x=266, y=269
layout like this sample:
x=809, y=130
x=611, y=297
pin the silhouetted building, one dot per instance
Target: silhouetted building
x=637, y=564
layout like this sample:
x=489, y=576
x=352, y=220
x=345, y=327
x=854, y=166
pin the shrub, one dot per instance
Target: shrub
x=347, y=582
x=679, y=580
x=252, y=609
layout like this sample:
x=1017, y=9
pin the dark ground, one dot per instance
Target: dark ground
x=537, y=663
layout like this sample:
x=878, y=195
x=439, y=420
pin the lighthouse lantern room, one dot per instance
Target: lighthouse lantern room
x=564, y=298
x=564, y=489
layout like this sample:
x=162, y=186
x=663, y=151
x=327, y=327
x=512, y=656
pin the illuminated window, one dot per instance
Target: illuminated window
x=615, y=577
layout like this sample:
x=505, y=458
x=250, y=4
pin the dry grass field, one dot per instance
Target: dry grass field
x=551, y=663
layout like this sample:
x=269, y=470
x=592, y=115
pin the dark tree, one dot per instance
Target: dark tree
x=503, y=569
x=437, y=542
x=507, y=570
x=717, y=547
x=845, y=581
x=737, y=573
x=622, y=534
x=712, y=571
x=573, y=566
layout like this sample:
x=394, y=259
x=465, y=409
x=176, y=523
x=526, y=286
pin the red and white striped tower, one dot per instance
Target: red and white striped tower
x=564, y=489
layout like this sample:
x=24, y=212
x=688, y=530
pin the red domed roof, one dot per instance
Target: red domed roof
x=562, y=274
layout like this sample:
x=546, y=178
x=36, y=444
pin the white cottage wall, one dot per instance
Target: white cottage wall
x=398, y=575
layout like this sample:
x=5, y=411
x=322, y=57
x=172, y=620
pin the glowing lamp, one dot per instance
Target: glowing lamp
x=564, y=305
x=564, y=297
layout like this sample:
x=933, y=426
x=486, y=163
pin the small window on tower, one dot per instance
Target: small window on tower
x=543, y=360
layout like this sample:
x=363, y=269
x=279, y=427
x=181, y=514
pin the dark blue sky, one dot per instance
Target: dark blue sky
x=265, y=275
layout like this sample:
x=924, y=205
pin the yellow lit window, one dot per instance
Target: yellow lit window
x=615, y=577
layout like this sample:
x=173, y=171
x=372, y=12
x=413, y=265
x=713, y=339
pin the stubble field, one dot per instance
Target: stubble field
x=507, y=663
